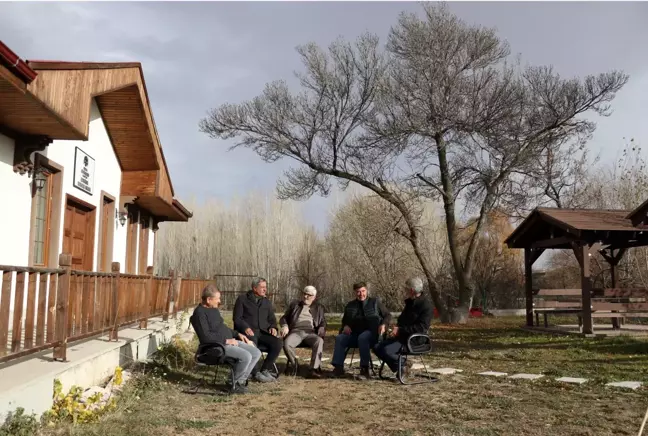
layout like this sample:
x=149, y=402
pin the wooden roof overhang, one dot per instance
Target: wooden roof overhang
x=550, y=228
x=120, y=92
x=23, y=116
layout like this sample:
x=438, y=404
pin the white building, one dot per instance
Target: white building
x=81, y=166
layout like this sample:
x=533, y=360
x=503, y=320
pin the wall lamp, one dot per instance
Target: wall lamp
x=121, y=216
x=40, y=177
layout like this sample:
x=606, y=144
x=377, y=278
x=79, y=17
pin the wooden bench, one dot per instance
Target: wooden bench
x=557, y=301
x=614, y=303
x=620, y=303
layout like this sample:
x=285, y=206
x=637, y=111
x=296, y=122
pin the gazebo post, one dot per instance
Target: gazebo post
x=582, y=252
x=613, y=260
x=530, y=256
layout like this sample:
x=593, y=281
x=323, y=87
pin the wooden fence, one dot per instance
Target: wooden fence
x=43, y=308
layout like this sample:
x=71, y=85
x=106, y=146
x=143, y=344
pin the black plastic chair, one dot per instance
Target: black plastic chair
x=211, y=355
x=421, y=346
x=371, y=364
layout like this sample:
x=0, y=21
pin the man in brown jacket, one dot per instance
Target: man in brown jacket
x=304, y=322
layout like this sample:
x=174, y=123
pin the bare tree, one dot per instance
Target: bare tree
x=476, y=125
x=322, y=128
x=470, y=127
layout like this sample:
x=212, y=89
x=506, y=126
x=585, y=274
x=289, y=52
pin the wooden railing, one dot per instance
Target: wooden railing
x=44, y=308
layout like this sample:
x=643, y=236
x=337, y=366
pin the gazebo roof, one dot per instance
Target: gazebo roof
x=557, y=228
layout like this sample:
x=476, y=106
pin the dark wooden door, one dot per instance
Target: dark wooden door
x=78, y=234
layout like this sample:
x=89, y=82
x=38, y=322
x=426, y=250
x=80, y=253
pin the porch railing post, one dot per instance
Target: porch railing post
x=168, y=307
x=177, y=297
x=146, y=310
x=115, y=267
x=62, y=306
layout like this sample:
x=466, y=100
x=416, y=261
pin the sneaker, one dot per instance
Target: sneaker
x=264, y=377
x=338, y=371
x=239, y=389
x=269, y=374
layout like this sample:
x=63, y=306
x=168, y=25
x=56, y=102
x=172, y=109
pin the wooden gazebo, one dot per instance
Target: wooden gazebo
x=585, y=231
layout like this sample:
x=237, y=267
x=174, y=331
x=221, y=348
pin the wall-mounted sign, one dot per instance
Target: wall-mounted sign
x=84, y=167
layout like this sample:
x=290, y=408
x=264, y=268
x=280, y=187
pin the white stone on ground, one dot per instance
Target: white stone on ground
x=417, y=366
x=625, y=384
x=523, y=376
x=573, y=380
x=324, y=359
x=494, y=374
x=446, y=370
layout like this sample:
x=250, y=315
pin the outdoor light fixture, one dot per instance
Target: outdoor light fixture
x=40, y=177
x=122, y=217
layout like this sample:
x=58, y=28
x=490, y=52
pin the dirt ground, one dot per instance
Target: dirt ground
x=464, y=404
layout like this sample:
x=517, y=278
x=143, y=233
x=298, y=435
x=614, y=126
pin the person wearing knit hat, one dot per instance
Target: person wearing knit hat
x=304, y=323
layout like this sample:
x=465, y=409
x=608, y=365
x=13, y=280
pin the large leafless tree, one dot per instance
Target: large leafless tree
x=478, y=125
x=442, y=112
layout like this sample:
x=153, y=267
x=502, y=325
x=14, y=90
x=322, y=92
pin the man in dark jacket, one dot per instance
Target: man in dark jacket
x=363, y=321
x=416, y=317
x=211, y=329
x=254, y=316
x=304, y=322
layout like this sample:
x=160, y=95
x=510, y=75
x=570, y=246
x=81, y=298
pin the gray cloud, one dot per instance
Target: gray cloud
x=199, y=55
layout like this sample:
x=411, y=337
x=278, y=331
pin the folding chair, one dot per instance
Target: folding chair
x=295, y=370
x=424, y=346
x=211, y=355
x=371, y=365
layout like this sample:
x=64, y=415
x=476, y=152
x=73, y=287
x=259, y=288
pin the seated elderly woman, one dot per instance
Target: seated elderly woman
x=211, y=329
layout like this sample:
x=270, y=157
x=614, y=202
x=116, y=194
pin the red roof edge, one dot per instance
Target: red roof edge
x=16, y=65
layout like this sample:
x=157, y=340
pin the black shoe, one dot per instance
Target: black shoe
x=314, y=373
x=338, y=371
x=364, y=373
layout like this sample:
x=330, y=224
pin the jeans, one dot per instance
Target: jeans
x=247, y=357
x=387, y=351
x=364, y=341
x=270, y=343
x=295, y=338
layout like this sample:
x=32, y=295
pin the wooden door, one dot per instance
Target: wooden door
x=78, y=233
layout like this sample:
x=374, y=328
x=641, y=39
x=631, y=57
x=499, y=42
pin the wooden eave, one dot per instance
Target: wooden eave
x=122, y=98
x=552, y=228
x=24, y=114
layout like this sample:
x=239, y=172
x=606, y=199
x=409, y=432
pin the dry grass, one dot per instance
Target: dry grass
x=465, y=404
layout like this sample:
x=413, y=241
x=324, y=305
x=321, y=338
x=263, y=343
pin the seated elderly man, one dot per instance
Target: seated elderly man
x=304, y=322
x=416, y=317
x=363, y=321
x=211, y=329
x=255, y=318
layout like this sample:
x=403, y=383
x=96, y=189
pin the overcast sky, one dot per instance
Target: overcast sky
x=199, y=55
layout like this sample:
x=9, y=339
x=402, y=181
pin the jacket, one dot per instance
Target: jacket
x=210, y=326
x=416, y=317
x=258, y=316
x=368, y=316
x=295, y=308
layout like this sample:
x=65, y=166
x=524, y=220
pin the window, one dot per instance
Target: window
x=42, y=217
x=46, y=210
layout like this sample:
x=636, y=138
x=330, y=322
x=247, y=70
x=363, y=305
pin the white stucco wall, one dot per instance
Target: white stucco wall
x=151, y=245
x=15, y=197
x=107, y=177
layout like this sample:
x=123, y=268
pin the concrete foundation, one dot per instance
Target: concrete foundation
x=29, y=382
